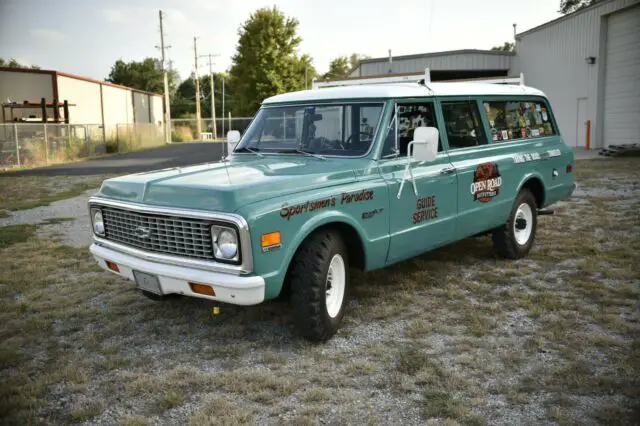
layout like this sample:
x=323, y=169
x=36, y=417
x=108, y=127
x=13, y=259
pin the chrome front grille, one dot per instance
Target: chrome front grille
x=160, y=234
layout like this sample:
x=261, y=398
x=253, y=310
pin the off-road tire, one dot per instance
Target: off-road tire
x=308, y=278
x=504, y=241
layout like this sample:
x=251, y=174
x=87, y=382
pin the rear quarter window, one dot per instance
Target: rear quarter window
x=517, y=119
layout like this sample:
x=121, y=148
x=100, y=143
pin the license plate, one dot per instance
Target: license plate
x=147, y=282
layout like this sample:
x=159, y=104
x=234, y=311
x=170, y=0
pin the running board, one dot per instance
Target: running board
x=545, y=212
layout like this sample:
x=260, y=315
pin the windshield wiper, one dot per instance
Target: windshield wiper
x=301, y=151
x=251, y=150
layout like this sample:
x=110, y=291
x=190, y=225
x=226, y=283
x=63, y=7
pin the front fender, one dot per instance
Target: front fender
x=368, y=217
x=326, y=218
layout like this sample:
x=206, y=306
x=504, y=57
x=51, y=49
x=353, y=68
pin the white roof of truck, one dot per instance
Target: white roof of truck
x=403, y=90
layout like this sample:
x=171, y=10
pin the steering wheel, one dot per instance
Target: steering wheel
x=323, y=143
x=352, y=134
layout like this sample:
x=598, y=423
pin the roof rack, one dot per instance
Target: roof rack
x=423, y=78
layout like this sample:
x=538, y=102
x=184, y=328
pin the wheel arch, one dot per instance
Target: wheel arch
x=352, y=235
x=535, y=184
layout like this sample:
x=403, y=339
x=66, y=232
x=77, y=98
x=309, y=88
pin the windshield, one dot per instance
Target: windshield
x=343, y=129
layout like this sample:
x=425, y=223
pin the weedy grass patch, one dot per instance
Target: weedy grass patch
x=27, y=192
x=456, y=336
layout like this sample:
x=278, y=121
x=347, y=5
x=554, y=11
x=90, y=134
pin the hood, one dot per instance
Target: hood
x=225, y=187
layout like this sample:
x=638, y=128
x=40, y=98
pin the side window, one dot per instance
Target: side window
x=463, y=124
x=516, y=119
x=410, y=116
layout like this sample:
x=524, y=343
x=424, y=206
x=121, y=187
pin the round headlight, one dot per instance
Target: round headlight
x=98, y=224
x=225, y=244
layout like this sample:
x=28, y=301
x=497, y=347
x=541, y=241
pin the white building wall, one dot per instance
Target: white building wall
x=156, y=109
x=118, y=107
x=86, y=97
x=552, y=59
x=25, y=86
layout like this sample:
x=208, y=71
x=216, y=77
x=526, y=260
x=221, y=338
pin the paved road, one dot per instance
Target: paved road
x=170, y=156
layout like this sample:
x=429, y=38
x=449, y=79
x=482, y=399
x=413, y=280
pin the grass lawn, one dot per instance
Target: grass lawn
x=454, y=336
x=27, y=192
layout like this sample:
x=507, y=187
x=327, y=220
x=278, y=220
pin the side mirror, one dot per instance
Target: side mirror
x=233, y=137
x=425, y=144
x=423, y=147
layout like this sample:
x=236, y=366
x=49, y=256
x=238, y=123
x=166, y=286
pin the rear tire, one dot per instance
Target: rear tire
x=515, y=238
x=319, y=285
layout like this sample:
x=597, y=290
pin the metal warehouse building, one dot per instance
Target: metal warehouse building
x=452, y=65
x=89, y=101
x=587, y=62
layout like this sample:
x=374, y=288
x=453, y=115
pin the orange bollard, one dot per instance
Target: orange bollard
x=588, y=124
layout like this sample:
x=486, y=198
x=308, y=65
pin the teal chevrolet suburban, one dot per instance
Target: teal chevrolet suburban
x=330, y=179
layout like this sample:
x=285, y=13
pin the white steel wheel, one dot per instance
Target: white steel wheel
x=523, y=224
x=335, y=285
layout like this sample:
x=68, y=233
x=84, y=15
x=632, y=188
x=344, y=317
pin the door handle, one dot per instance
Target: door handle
x=448, y=170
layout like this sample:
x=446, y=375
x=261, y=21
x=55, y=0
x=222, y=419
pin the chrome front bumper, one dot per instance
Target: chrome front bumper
x=173, y=279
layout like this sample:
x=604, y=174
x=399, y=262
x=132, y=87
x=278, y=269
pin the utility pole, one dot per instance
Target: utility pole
x=167, y=107
x=213, y=98
x=198, y=124
x=223, y=106
x=306, y=74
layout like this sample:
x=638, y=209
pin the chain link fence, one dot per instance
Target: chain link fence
x=40, y=144
x=132, y=137
x=185, y=130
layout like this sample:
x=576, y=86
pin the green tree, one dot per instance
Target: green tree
x=145, y=75
x=506, y=47
x=342, y=66
x=12, y=63
x=338, y=68
x=183, y=103
x=569, y=6
x=355, y=59
x=266, y=61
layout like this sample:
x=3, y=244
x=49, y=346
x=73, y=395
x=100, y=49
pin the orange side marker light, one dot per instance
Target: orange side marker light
x=112, y=266
x=202, y=289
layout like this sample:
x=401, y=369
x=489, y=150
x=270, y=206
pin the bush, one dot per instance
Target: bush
x=182, y=134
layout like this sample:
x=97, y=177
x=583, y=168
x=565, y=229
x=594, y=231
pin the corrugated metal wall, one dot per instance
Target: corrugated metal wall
x=141, y=107
x=156, y=109
x=86, y=97
x=118, y=108
x=552, y=59
x=461, y=61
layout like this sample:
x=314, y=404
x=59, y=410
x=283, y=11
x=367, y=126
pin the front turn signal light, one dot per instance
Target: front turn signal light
x=269, y=240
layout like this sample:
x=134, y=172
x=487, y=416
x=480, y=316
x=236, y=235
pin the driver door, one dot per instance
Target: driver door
x=418, y=223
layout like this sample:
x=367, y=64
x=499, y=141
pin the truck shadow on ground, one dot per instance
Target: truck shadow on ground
x=270, y=323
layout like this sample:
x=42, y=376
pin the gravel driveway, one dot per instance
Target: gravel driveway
x=455, y=336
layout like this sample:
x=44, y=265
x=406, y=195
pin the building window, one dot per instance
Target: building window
x=463, y=124
x=514, y=120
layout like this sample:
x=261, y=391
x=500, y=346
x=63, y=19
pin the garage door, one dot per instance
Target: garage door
x=622, y=78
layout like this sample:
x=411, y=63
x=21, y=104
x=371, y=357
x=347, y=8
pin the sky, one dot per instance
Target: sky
x=86, y=37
